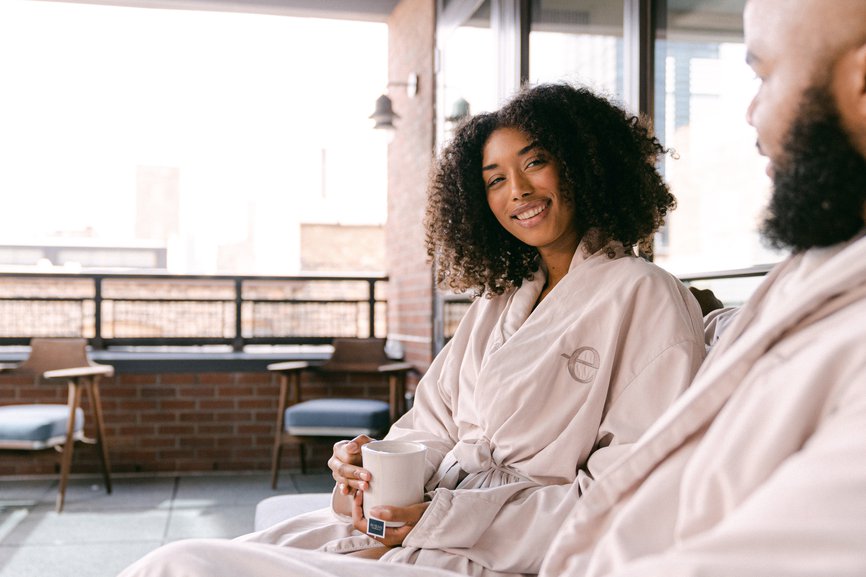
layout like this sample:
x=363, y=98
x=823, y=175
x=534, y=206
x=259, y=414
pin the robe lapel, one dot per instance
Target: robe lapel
x=522, y=302
x=520, y=306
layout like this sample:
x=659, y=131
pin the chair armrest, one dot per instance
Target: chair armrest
x=396, y=368
x=89, y=371
x=289, y=366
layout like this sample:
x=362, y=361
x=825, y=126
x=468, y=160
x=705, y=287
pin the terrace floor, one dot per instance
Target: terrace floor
x=97, y=535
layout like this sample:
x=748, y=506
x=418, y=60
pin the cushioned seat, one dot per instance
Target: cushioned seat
x=36, y=427
x=337, y=417
x=330, y=417
x=277, y=509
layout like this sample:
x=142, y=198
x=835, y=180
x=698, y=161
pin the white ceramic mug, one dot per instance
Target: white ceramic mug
x=397, y=468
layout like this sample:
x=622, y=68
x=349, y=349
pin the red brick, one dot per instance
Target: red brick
x=217, y=378
x=176, y=429
x=216, y=429
x=254, y=378
x=178, y=378
x=236, y=391
x=136, y=379
x=209, y=404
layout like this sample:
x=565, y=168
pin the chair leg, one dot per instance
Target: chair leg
x=66, y=456
x=275, y=463
x=101, y=439
x=302, y=449
x=278, y=432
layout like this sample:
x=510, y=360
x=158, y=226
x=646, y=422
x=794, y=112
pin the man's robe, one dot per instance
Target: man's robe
x=760, y=467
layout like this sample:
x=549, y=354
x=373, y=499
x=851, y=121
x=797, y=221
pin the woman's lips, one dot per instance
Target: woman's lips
x=529, y=214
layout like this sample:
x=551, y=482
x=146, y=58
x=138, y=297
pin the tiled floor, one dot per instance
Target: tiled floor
x=97, y=534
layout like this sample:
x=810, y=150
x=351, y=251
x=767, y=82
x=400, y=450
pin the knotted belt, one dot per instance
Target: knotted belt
x=470, y=457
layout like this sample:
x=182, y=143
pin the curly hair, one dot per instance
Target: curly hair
x=606, y=161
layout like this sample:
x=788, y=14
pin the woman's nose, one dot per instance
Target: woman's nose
x=520, y=187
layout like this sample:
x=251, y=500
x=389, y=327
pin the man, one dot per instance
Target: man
x=760, y=467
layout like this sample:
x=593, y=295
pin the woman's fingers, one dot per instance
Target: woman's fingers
x=409, y=515
x=350, y=451
x=358, y=520
x=344, y=465
x=394, y=536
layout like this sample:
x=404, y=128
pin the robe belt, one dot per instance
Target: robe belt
x=470, y=457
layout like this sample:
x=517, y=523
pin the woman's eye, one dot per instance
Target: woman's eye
x=536, y=162
x=494, y=181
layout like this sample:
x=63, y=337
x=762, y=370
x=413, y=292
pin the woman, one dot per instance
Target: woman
x=572, y=351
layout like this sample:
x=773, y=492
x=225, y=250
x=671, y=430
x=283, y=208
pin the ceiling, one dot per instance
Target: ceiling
x=369, y=10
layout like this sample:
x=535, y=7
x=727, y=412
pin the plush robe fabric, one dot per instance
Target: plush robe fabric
x=760, y=467
x=523, y=404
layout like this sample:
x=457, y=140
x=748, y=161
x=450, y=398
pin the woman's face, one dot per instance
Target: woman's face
x=523, y=191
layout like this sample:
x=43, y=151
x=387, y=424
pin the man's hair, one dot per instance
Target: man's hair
x=606, y=161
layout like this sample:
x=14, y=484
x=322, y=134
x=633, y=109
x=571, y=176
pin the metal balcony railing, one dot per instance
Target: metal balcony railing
x=114, y=310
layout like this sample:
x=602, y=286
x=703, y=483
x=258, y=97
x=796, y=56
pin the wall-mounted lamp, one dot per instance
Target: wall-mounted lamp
x=384, y=115
x=459, y=111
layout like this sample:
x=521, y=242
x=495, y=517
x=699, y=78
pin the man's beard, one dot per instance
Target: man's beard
x=819, y=184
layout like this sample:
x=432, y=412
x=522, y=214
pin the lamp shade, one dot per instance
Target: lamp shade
x=384, y=114
x=459, y=110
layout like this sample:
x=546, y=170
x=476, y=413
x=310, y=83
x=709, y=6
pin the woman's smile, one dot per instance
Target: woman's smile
x=531, y=214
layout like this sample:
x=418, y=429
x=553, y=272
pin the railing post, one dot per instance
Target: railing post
x=372, y=303
x=97, y=313
x=238, y=341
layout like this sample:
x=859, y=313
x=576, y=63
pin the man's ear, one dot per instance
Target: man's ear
x=859, y=80
x=849, y=88
x=851, y=82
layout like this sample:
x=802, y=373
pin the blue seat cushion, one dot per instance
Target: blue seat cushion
x=340, y=415
x=36, y=426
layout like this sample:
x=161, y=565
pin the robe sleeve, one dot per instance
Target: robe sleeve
x=431, y=420
x=806, y=519
x=512, y=525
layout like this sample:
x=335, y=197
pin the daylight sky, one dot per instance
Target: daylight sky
x=244, y=104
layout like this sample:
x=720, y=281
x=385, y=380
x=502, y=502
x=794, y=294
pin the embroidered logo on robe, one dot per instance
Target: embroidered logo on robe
x=583, y=364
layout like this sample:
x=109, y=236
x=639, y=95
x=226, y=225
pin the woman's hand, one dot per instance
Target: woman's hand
x=394, y=536
x=345, y=465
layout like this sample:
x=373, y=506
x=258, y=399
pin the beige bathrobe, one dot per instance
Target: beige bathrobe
x=520, y=406
x=760, y=468
x=522, y=403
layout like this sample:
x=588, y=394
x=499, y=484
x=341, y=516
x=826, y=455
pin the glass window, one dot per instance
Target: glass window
x=468, y=68
x=578, y=42
x=702, y=90
x=210, y=135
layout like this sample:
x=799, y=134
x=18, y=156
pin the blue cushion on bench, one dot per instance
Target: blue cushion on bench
x=36, y=426
x=337, y=417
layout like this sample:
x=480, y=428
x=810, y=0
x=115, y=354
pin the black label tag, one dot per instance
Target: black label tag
x=375, y=527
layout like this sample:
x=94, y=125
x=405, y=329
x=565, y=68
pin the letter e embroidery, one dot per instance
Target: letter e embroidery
x=583, y=364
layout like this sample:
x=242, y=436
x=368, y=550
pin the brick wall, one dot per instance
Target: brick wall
x=410, y=295
x=181, y=422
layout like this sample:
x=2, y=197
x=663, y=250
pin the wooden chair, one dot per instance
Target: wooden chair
x=42, y=426
x=298, y=420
